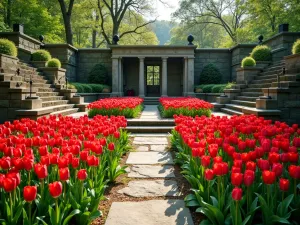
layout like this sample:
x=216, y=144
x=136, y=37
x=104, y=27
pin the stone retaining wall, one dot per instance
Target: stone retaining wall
x=208, y=97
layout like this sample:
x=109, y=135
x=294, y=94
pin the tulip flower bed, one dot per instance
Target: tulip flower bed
x=130, y=107
x=54, y=170
x=243, y=170
x=169, y=107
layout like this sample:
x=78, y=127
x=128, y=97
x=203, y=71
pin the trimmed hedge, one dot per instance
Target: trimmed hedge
x=214, y=88
x=88, y=88
x=98, y=75
x=261, y=53
x=55, y=63
x=41, y=55
x=296, y=47
x=210, y=75
x=248, y=61
x=7, y=47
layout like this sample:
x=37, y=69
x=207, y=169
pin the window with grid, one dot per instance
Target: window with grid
x=152, y=75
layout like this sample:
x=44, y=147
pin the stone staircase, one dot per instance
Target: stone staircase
x=246, y=101
x=151, y=100
x=53, y=102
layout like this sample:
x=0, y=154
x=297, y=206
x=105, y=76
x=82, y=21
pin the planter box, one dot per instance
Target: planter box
x=246, y=74
x=39, y=64
x=8, y=64
x=56, y=75
x=292, y=63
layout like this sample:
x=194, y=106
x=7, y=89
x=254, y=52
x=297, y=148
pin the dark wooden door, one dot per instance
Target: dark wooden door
x=153, y=81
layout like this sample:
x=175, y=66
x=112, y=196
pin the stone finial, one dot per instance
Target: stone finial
x=190, y=39
x=260, y=39
x=116, y=39
x=18, y=28
x=41, y=38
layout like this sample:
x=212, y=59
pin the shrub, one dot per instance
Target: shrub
x=208, y=88
x=40, y=55
x=98, y=75
x=296, y=47
x=210, y=75
x=89, y=88
x=214, y=88
x=8, y=47
x=261, y=53
x=248, y=61
x=54, y=63
x=218, y=88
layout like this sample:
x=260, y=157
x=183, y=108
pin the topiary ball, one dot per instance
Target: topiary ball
x=210, y=75
x=261, y=53
x=54, y=63
x=41, y=55
x=98, y=75
x=296, y=47
x=248, y=61
x=8, y=47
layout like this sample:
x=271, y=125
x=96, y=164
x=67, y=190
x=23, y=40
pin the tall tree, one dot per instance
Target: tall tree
x=114, y=11
x=228, y=14
x=67, y=13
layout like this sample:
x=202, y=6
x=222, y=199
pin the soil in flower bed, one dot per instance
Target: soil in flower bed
x=185, y=106
x=130, y=107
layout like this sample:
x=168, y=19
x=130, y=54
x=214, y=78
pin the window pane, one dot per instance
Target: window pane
x=149, y=79
x=156, y=69
x=149, y=69
x=156, y=79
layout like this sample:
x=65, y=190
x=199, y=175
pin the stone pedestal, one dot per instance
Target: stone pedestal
x=223, y=100
x=56, y=75
x=77, y=100
x=32, y=103
x=246, y=74
x=68, y=93
x=262, y=103
x=232, y=93
x=292, y=63
x=8, y=64
x=39, y=64
x=279, y=94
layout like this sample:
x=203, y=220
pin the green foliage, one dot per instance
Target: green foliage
x=296, y=47
x=214, y=88
x=248, y=61
x=127, y=112
x=41, y=55
x=88, y=88
x=98, y=75
x=54, y=63
x=261, y=53
x=8, y=47
x=170, y=112
x=210, y=75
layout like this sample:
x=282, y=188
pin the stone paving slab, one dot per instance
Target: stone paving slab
x=154, y=212
x=158, y=148
x=150, y=158
x=142, y=148
x=146, y=171
x=151, y=188
x=150, y=141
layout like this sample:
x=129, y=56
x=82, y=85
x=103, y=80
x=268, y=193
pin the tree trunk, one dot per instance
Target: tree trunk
x=94, y=36
x=67, y=20
x=8, y=13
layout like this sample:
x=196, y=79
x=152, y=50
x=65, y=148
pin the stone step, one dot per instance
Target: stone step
x=65, y=112
x=231, y=112
x=45, y=110
x=264, y=81
x=10, y=77
x=260, y=85
x=47, y=94
x=246, y=98
x=267, y=113
x=274, y=68
x=47, y=89
x=41, y=85
x=27, y=67
x=272, y=72
x=281, y=62
x=149, y=129
x=148, y=122
x=13, y=84
x=252, y=90
x=234, y=107
x=54, y=103
x=251, y=94
x=244, y=103
x=52, y=98
x=263, y=77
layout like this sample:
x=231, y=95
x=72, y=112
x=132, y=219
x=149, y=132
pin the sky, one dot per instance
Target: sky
x=163, y=11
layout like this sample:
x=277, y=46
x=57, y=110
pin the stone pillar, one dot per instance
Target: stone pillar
x=142, y=78
x=164, y=81
x=185, y=76
x=190, y=77
x=121, y=77
x=115, y=77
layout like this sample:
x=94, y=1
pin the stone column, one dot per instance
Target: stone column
x=185, y=76
x=142, y=78
x=190, y=77
x=121, y=77
x=115, y=77
x=164, y=91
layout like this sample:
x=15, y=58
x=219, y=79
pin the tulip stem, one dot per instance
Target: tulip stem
x=268, y=190
x=29, y=175
x=56, y=206
x=236, y=212
x=219, y=194
x=29, y=213
x=282, y=203
x=11, y=205
x=295, y=189
x=65, y=197
x=208, y=192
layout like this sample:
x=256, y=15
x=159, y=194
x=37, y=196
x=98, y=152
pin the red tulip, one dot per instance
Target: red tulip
x=41, y=170
x=268, y=177
x=117, y=134
x=220, y=169
x=5, y=162
x=9, y=184
x=2, y=177
x=284, y=184
x=92, y=160
x=14, y=175
x=293, y=157
x=82, y=174
x=84, y=155
x=263, y=164
x=294, y=171
x=111, y=146
x=103, y=141
x=18, y=163
x=75, y=162
x=235, y=169
x=43, y=150
x=273, y=157
x=237, y=194
x=64, y=174
x=209, y=174
x=205, y=161
x=249, y=177
x=53, y=158
x=45, y=160
x=218, y=159
x=55, y=189
x=63, y=162
x=277, y=168
x=29, y=193
x=236, y=179
x=28, y=163
x=250, y=165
